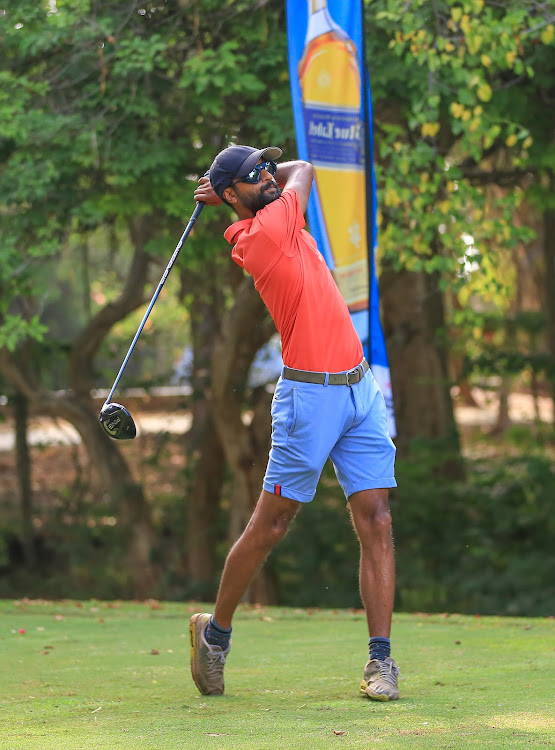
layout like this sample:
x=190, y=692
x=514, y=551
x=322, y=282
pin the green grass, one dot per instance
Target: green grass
x=102, y=675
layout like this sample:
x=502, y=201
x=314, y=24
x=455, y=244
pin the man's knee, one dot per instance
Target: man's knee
x=370, y=513
x=280, y=525
x=271, y=520
x=267, y=533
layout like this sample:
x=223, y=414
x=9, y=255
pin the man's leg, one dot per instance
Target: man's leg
x=267, y=526
x=372, y=521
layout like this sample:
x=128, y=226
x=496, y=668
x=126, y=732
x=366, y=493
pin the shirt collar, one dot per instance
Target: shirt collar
x=232, y=232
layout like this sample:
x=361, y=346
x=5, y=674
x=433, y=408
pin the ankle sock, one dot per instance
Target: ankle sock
x=216, y=635
x=380, y=648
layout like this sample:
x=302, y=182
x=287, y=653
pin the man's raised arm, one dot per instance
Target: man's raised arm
x=297, y=176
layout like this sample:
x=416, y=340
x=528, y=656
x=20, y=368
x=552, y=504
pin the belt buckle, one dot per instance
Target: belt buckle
x=353, y=373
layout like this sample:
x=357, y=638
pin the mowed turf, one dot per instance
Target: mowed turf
x=116, y=676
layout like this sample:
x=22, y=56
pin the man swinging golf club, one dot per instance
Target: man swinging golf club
x=326, y=404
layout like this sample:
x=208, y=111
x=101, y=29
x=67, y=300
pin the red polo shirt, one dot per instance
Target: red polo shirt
x=297, y=287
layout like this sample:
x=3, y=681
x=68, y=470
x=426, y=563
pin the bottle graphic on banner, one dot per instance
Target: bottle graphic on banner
x=329, y=76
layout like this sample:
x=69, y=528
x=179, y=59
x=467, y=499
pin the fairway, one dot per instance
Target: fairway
x=116, y=675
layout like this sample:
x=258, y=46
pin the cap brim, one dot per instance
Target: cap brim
x=271, y=152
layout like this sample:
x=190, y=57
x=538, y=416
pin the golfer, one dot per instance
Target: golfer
x=326, y=404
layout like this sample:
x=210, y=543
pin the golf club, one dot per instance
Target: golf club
x=115, y=419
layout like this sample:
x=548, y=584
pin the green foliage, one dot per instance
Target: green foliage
x=108, y=113
x=15, y=328
x=482, y=546
x=215, y=72
x=457, y=106
x=503, y=345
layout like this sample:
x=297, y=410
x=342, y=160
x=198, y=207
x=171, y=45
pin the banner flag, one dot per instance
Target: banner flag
x=332, y=108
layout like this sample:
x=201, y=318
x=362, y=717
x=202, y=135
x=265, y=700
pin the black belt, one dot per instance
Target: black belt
x=334, y=378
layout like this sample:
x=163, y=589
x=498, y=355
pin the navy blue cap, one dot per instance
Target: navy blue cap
x=237, y=161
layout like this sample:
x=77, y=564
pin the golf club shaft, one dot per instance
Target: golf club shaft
x=184, y=236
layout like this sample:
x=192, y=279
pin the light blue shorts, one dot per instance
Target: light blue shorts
x=345, y=423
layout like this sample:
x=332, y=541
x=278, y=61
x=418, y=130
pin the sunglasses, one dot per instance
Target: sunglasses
x=254, y=176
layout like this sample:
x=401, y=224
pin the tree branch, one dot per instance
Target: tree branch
x=501, y=177
x=19, y=375
x=86, y=345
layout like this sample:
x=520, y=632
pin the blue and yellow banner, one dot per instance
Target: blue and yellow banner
x=333, y=120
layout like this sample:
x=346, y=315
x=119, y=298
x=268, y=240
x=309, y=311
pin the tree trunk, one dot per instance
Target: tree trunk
x=549, y=258
x=245, y=328
x=246, y=447
x=23, y=465
x=264, y=586
x=503, y=420
x=205, y=458
x=414, y=328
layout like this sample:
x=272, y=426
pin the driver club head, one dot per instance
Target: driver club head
x=117, y=422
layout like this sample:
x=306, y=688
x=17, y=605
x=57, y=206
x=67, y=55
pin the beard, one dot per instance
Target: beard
x=268, y=194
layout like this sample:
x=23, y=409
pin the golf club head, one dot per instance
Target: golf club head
x=117, y=422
